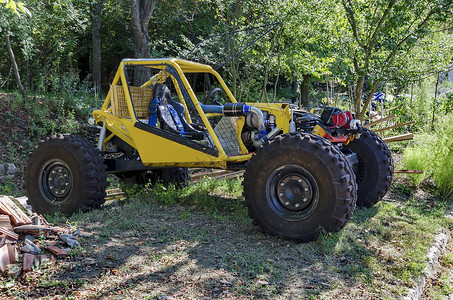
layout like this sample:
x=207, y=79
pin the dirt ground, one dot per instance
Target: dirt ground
x=146, y=250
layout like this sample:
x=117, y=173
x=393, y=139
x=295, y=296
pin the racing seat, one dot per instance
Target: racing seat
x=171, y=114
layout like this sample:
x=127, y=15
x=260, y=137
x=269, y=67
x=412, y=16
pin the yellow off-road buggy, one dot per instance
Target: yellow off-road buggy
x=303, y=172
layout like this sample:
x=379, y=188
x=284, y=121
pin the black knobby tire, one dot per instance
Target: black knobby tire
x=179, y=177
x=65, y=173
x=374, y=172
x=297, y=184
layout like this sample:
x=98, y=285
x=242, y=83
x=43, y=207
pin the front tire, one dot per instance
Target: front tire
x=374, y=172
x=65, y=174
x=297, y=184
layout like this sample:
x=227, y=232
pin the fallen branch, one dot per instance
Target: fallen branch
x=379, y=121
x=399, y=138
x=409, y=171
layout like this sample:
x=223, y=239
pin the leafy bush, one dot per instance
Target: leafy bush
x=433, y=152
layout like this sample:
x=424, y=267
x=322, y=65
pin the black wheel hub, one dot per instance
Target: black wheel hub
x=56, y=181
x=292, y=192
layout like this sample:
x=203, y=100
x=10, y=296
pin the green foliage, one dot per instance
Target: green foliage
x=10, y=188
x=433, y=152
x=16, y=7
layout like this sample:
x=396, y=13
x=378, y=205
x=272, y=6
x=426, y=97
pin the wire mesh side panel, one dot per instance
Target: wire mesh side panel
x=226, y=132
x=141, y=99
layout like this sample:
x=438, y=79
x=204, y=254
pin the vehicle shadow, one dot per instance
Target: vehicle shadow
x=184, y=253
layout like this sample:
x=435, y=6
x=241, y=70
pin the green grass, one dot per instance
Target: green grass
x=433, y=153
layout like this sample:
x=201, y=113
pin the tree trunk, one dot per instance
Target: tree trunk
x=305, y=91
x=14, y=66
x=368, y=100
x=358, y=94
x=327, y=90
x=294, y=90
x=435, y=100
x=264, y=91
x=141, y=12
x=278, y=74
x=96, y=10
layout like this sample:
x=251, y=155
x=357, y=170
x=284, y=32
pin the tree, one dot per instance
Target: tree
x=141, y=12
x=12, y=6
x=96, y=10
x=382, y=32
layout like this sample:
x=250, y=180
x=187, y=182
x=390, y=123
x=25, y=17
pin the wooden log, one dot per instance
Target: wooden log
x=379, y=121
x=38, y=229
x=394, y=126
x=399, y=138
x=409, y=171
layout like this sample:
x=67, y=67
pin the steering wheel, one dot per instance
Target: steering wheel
x=214, y=96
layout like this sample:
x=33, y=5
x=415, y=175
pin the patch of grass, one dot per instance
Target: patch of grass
x=447, y=259
x=441, y=288
x=220, y=197
x=433, y=152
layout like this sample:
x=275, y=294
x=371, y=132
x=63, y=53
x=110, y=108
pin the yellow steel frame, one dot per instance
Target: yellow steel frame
x=157, y=151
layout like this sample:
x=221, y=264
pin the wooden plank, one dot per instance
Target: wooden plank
x=399, y=138
x=230, y=175
x=409, y=171
x=8, y=207
x=208, y=174
x=115, y=195
x=9, y=233
x=391, y=108
x=394, y=126
x=109, y=199
x=379, y=121
x=5, y=222
x=113, y=191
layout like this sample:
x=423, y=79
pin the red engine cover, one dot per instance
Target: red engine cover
x=342, y=119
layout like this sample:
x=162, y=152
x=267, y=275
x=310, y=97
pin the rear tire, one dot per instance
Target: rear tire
x=65, y=173
x=374, y=172
x=297, y=184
